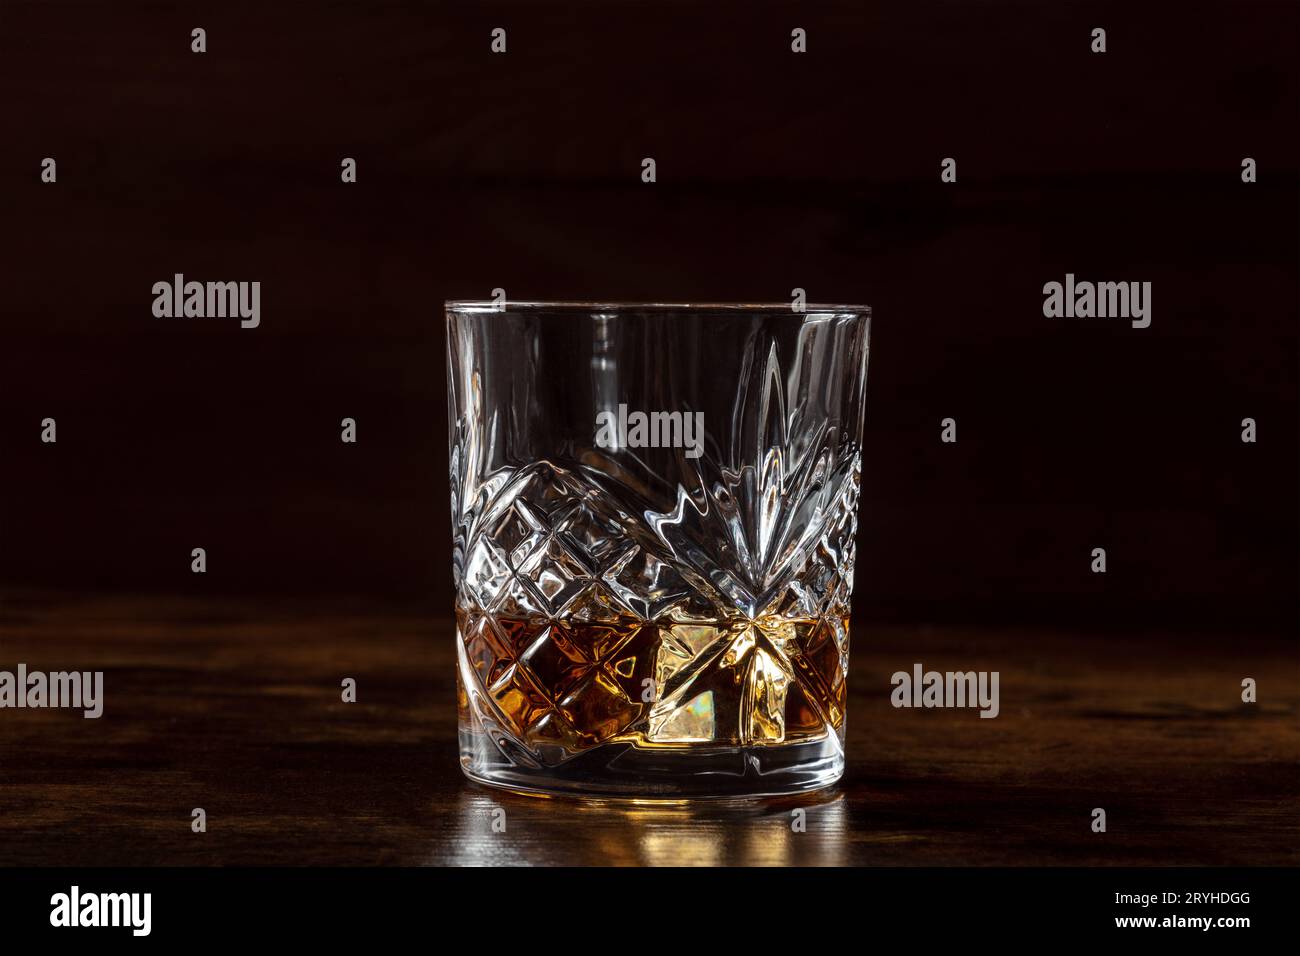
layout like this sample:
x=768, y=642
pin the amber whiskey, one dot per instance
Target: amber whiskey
x=561, y=687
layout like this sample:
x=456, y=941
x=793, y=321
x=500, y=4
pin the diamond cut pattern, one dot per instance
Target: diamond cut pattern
x=486, y=573
x=587, y=532
x=645, y=584
x=555, y=574
x=555, y=661
x=517, y=533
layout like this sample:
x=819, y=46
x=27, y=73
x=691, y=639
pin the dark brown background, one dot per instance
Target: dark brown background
x=775, y=171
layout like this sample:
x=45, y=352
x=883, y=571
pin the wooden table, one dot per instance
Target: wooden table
x=235, y=707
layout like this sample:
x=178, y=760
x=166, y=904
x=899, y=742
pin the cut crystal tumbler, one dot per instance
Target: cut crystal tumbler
x=653, y=518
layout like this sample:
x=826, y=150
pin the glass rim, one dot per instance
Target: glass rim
x=487, y=305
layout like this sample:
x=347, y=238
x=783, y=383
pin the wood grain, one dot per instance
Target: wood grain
x=235, y=707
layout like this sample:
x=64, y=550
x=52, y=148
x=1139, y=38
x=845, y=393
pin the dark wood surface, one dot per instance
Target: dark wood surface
x=235, y=707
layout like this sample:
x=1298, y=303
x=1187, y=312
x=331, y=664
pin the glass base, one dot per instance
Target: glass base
x=624, y=770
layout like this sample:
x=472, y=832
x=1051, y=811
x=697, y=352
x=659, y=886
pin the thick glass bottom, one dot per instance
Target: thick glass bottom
x=625, y=770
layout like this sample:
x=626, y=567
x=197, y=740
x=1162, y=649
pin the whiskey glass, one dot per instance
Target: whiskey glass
x=653, y=519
